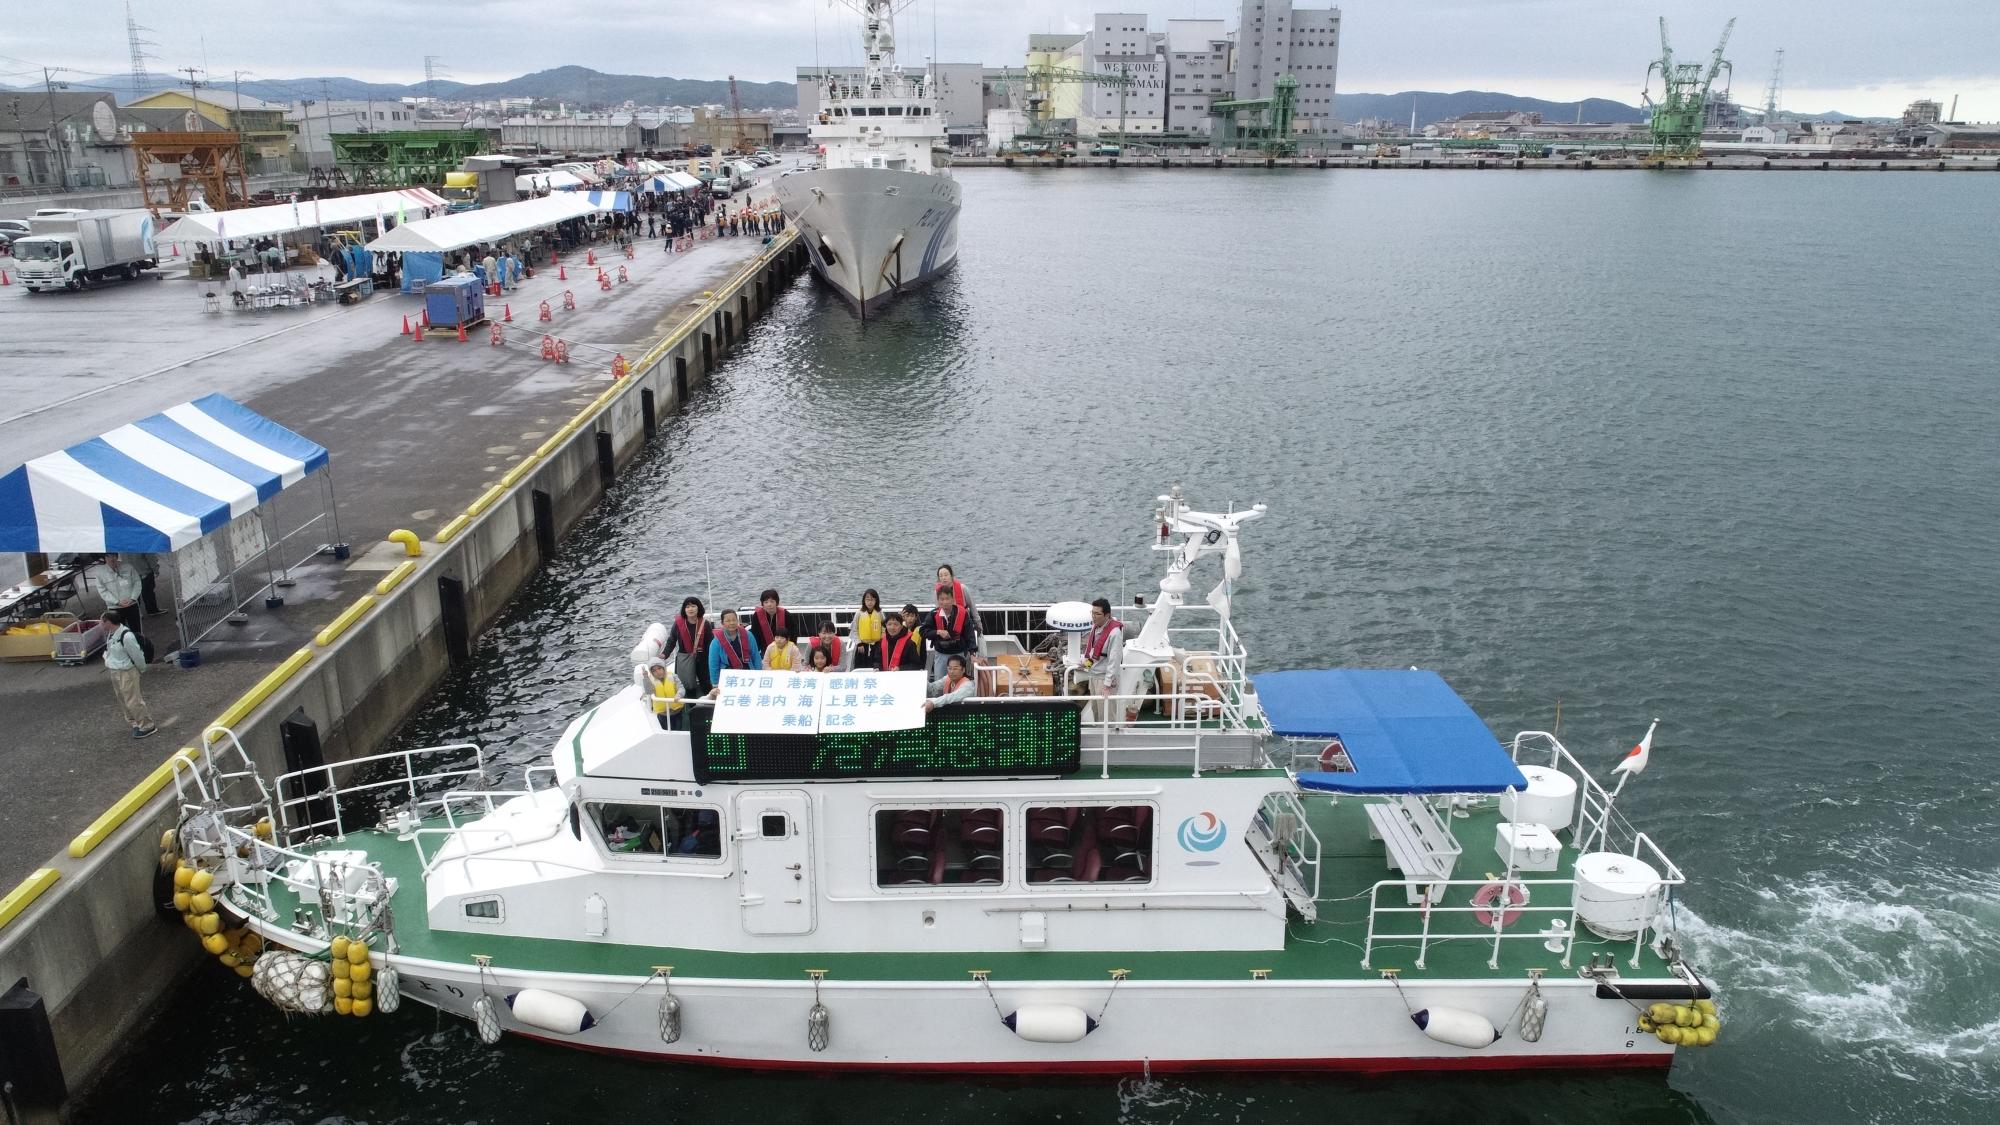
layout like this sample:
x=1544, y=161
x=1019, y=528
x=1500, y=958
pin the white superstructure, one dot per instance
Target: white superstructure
x=879, y=216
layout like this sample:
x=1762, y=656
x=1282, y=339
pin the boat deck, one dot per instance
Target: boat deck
x=1329, y=948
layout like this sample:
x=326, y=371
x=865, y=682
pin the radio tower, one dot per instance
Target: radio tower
x=434, y=69
x=1771, y=91
x=141, y=81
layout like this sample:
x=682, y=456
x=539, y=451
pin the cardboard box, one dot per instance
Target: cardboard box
x=35, y=646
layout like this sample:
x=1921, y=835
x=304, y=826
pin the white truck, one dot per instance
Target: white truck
x=74, y=250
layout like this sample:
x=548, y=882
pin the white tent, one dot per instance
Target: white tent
x=555, y=180
x=491, y=224
x=284, y=218
x=671, y=182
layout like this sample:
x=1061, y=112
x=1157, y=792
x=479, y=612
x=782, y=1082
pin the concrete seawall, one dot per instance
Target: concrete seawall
x=88, y=941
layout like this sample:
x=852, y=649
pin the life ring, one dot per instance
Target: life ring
x=1488, y=895
x=1334, y=758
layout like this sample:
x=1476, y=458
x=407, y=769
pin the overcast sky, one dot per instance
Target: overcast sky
x=1868, y=58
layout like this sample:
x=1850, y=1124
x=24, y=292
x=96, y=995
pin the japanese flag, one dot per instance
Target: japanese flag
x=1635, y=762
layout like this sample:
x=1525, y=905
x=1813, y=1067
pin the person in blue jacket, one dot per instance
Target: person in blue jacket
x=733, y=649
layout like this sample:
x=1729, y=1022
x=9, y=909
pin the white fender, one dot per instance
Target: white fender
x=1456, y=1026
x=1050, y=1023
x=652, y=643
x=550, y=1011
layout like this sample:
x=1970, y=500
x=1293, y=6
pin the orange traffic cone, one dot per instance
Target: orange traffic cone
x=509, y=318
x=4, y=279
x=590, y=257
x=406, y=326
x=562, y=273
x=461, y=332
x=419, y=337
x=426, y=316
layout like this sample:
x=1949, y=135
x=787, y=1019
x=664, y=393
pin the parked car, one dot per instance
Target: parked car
x=11, y=229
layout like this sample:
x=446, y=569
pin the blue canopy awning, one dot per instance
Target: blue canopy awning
x=155, y=485
x=1405, y=730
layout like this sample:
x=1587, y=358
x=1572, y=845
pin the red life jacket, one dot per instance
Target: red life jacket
x=729, y=653
x=832, y=651
x=690, y=639
x=892, y=658
x=1099, y=637
x=957, y=622
x=769, y=625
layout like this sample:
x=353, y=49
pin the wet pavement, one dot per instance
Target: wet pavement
x=415, y=430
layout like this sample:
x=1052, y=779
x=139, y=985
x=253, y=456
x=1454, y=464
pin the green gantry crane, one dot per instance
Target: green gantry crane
x=1271, y=119
x=401, y=158
x=1038, y=92
x=1680, y=109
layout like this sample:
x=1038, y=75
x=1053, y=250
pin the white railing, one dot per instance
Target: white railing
x=1597, y=824
x=421, y=789
x=1294, y=846
x=223, y=780
x=251, y=865
x=1429, y=933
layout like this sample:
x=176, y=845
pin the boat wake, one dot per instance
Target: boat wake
x=1895, y=972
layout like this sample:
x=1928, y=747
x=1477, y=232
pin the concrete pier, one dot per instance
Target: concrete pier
x=487, y=452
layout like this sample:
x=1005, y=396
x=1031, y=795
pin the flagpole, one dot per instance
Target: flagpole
x=1631, y=764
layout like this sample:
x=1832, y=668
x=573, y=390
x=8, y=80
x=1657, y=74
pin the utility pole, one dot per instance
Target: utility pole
x=14, y=104
x=62, y=159
x=194, y=86
x=241, y=162
x=326, y=104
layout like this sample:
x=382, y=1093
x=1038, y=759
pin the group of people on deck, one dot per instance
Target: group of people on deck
x=943, y=642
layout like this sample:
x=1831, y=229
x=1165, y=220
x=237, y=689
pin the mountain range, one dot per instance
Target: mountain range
x=582, y=87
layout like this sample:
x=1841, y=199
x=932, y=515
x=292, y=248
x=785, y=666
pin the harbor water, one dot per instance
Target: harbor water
x=1718, y=448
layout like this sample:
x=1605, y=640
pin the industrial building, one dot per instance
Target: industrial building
x=266, y=138
x=1274, y=39
x=315, y=122
x=1198, y=72
x=1119, y=43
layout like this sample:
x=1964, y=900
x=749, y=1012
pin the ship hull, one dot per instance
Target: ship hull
x=935, y=1026
x=873, y=233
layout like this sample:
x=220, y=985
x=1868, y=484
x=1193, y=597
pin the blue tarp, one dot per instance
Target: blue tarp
x=155, y=485
x=1405, y=730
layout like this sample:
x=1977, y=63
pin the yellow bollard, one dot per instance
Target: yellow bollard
x=411, y=547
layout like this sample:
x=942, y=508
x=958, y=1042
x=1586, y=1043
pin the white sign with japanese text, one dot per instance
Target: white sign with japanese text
x=866, y=700
x=771, y=702
x=767, y=703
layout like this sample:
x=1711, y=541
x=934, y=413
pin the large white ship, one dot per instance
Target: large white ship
x=878, y=216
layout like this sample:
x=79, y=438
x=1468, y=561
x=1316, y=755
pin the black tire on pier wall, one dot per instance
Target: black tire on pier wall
x=544, y=506
x=649, y=418
x=680, y=382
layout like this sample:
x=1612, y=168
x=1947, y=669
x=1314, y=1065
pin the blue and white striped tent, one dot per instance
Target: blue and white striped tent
x=155, y=485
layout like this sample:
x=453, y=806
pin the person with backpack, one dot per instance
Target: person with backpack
x=124, y=659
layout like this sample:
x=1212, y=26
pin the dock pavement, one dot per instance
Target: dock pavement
x=415, y=431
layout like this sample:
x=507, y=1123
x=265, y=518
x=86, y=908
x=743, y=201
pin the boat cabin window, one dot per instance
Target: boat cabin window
x=895, y=111
x=1090, y=844
x=940, y=847
x=659, y=830
x=774, y=825
x=484, y=909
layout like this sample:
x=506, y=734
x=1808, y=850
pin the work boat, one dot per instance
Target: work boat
x=878, y=216
x=1191, y=868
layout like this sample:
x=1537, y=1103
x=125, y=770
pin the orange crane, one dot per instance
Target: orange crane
x=736, y=107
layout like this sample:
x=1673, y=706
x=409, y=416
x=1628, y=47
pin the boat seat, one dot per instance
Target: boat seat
x=1417, y=843
x=914, y=830
x=1051, y=826
x=980, y=828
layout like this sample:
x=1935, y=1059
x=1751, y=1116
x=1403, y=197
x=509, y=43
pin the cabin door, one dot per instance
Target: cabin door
x=774, y=856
